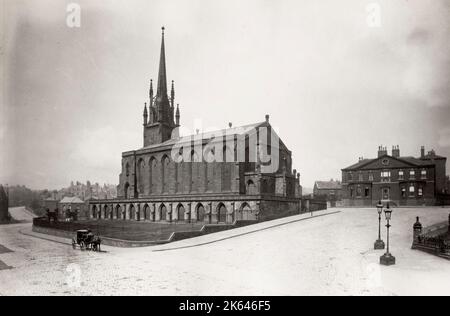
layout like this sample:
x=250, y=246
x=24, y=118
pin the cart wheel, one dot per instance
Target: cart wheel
x=82, y=246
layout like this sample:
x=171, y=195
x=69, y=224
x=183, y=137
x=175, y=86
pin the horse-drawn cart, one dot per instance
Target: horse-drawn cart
x=86, y=240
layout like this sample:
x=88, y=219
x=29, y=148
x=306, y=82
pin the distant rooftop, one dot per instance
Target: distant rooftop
x=328, y=185
x=72, y=199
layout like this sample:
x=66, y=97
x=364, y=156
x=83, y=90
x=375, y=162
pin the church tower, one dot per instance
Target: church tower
x=159, y=120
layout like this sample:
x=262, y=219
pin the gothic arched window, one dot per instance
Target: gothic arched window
x=165, y=173
x=141, y=171
x=127, y=169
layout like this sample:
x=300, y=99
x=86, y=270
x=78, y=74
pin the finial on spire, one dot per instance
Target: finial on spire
x=172, y=94
x=145, y=114
x=163, y=28
x=150, y=94
x=177, y=115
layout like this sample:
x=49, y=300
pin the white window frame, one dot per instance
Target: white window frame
x=413, y=191
x=420, y=192
x=385, y=176
x=423, y=174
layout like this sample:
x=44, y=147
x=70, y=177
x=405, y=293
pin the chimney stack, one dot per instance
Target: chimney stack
x=422, y=152
x=396, y=151
x=382, y=151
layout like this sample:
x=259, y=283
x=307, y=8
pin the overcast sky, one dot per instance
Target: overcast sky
x=335, y=87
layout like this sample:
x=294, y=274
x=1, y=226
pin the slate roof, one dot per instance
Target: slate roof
x=360, y=164
x=239, y=130
x=407, y=159
x=207, y=136
x=433, y=156
x=416, y=161
x=328, y=185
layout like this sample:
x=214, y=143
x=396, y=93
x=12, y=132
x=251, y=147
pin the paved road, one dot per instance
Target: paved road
x=328, y=255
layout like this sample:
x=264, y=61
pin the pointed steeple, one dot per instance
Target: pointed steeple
x=162, y=79
x=162, y=103
x=160, y=114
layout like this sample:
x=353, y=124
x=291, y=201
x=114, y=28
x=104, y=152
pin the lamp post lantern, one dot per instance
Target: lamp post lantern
x=387, y=259
x=379, y=244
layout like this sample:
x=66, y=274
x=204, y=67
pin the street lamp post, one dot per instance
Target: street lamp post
x=387, y=259
x=379, y=244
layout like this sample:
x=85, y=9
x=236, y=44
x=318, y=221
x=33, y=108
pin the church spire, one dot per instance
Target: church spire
x=162, y=103
x=162, y=80
x=159, y=118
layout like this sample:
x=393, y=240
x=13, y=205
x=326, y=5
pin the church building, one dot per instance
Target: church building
x=238, y=173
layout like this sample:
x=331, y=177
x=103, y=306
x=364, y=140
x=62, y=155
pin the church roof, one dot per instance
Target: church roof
x=239, y=130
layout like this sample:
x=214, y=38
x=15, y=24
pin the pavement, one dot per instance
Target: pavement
x=324, y=255
x=242, y=231
x=21, y=214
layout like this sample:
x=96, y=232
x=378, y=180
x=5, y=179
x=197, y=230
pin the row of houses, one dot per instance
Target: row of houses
x=86, y=191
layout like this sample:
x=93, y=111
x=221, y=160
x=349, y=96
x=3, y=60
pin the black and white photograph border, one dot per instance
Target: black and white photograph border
x=196, y=148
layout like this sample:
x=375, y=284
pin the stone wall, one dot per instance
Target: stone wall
x=272, y=209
